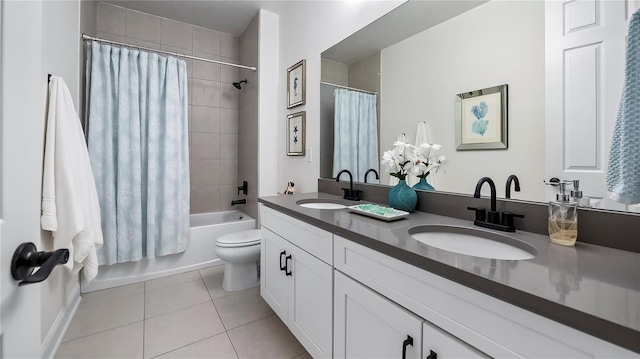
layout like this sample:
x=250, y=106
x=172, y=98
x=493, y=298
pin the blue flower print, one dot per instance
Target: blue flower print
x=479, y=126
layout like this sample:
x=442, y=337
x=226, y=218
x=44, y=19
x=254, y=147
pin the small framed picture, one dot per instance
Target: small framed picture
x=296, y=134
x=296, y=84
x=481, y=119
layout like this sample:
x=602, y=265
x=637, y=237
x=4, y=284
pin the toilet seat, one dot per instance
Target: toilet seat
x=239, y=239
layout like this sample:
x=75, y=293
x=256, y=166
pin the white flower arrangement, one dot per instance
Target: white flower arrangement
x=420, y=161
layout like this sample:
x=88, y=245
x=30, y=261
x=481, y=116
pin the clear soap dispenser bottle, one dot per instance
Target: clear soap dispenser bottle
x=563, y=218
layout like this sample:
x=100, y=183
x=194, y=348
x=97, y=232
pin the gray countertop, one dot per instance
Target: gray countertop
x=591, y=288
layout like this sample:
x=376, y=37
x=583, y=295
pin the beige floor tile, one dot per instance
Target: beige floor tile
x=242, y=308
x=170, y=281
x=174, y=330
x=108, y=295
x=214, y=286
x=304, y=355
x=217, y=347
x=211, y=271
x=96, y=317
x=265, y=338
x=180, y=296
x=122, y=342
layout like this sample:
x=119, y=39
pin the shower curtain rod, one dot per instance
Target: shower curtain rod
x=348, y=88
x=86, y=37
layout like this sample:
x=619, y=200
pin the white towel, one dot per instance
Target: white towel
x=394, y=180
x=70, y=208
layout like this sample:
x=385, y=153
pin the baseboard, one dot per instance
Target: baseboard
x=59, y=328
x=104, y=281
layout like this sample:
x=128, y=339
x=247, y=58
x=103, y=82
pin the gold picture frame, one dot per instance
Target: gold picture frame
x=296, y=134
x=296, y=84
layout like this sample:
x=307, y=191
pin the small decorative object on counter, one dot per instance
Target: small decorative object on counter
x=379, y=212
x=405, y=159
x=563, y=217
x=290, y=189
x=403, y=197
x=398, y=163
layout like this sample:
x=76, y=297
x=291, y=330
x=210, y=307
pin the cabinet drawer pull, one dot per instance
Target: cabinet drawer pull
x=283, y=267
x=405, y=343
x=432, y=355
x=286, y=267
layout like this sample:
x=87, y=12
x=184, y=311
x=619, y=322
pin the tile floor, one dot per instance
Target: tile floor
x=183, y=316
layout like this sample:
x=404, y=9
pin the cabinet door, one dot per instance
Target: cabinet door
x=436, y=343
x=311, y=303
x=367, y=325
x=274, y=286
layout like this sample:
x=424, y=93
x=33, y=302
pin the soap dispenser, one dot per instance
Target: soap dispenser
x=563, y=218
x=576, y=195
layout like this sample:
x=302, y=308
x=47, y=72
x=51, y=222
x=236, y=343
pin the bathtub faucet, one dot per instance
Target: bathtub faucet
x=238, y=201
x=243, y=188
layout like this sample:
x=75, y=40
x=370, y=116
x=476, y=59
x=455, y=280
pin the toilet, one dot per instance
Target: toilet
x=241, y=253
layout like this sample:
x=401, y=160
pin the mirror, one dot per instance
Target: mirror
x=418, y=57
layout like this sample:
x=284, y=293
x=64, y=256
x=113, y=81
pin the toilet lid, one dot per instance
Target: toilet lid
x=240, y=239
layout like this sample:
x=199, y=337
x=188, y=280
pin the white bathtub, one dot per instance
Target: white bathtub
x=205, y=229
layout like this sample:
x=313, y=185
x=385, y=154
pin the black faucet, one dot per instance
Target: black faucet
x=238, y=201
x=349, y=193
x=514, y=179
x=369, y=171
x=492, y=221
x=243, y=188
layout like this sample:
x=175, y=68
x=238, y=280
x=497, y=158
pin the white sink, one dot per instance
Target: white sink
x=472, y=242
x=321, y=204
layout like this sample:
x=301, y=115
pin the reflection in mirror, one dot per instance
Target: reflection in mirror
x=484, y=44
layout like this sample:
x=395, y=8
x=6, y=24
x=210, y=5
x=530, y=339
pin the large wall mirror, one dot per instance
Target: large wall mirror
x=564, y=82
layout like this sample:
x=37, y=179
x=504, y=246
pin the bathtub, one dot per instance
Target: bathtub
x=205, y=229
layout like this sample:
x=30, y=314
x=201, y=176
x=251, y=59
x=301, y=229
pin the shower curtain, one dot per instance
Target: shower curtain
x=138, y=145
x=355, y=140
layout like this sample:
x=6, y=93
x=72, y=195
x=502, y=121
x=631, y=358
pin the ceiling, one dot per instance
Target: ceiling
x=404, y=21
x=231, y=16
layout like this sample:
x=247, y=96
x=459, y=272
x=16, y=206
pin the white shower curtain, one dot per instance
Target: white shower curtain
x=355, y=142
x=139, y=149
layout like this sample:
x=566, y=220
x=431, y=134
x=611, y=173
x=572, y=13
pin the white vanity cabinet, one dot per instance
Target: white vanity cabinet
x=460, y=321
x=296, y=284
x=367, y=325
x=345, y=300
x=436, y=343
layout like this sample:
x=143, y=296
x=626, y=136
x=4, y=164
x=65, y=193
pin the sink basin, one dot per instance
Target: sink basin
x=321, y=203
x=473, y=242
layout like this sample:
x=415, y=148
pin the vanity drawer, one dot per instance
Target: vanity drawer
x=314, y=240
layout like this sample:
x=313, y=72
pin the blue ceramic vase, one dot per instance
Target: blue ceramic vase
x=403, y=197
x=423, y=185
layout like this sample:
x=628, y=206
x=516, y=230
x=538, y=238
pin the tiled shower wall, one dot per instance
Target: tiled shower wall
x=213, y=101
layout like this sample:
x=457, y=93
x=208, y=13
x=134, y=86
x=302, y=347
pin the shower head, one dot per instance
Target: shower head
x=237, y=84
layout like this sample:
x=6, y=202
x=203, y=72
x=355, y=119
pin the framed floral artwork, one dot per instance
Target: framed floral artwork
x=296, y=84
x=482, y=119
x=296, y=134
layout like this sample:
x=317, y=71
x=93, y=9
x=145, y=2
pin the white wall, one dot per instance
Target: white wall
x=61, y=46
x=269, y=64
x=307, y=28
x=500, y=42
